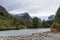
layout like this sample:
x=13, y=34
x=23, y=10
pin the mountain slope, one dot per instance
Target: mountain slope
x=24, y=16
x=3, y=11
x=6, y=20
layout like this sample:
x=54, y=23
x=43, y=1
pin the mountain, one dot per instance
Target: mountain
x=6, y=20
x=3, y=11
x=51, y=17
x=9, y=21
x=24, y=16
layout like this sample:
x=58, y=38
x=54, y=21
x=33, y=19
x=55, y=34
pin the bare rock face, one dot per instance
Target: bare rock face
x=51, y=17
x=24, y=16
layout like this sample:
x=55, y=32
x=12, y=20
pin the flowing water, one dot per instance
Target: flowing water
x=22, y=32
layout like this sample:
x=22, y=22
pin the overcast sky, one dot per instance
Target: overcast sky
x=33, y=7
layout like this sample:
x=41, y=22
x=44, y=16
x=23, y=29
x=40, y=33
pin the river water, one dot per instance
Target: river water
x=23, y=32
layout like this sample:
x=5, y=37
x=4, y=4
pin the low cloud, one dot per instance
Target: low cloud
x=33, y=7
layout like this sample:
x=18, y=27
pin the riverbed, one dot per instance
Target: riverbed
x=22, y=32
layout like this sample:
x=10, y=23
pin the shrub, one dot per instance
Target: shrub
x=55, y=27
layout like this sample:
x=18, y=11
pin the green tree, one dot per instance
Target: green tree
x=36, y=23
x=56, y=23
x=47, y=23
x=57, y=17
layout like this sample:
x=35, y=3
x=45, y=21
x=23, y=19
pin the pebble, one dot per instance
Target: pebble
x=34, y=36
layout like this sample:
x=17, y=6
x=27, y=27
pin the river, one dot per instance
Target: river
x=22, y=32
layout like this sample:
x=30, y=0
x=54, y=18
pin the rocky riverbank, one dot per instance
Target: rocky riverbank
x=34, y=36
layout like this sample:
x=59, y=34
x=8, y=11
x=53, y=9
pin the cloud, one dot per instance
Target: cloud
x=33, y=7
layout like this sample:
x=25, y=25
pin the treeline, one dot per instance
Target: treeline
x=8, y=22
x=34, y=23
x=11, y=23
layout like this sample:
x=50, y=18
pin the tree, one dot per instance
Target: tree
x=56, y=23
x=57, y=17
x=47, y=23
x=43, y=23
x=36, y=22
x=28, y=24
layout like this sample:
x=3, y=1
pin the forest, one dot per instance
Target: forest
x=9, y=22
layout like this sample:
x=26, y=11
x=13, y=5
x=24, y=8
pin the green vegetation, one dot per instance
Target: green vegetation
x=56, y=24
x=36, y=22
x=8, y=22
x=47, y=24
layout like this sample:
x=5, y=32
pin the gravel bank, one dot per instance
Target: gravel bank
x=34, y=36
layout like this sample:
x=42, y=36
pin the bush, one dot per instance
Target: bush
x=55, y=27
x=56, y=24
